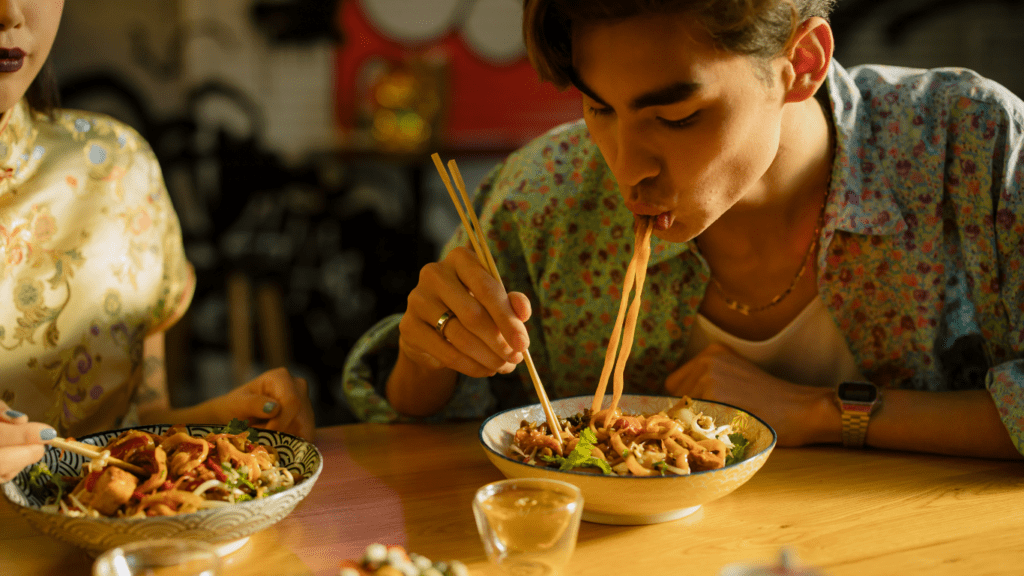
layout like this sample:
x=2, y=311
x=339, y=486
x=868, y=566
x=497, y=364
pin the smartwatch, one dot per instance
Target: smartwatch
x=857, y=401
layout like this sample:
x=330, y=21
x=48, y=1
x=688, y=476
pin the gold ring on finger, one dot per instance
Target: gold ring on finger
x=443, y=321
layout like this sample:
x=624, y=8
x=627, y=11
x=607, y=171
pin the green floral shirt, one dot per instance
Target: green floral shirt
x=921, y=262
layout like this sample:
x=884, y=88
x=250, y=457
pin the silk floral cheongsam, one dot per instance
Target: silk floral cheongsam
x=91, y=262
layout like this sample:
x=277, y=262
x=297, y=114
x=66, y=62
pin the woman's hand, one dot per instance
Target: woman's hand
x=799, y=414
x=22, y=443
x=485, y=335
x=274, y=400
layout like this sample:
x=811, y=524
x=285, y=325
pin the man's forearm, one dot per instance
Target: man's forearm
x=963, y=423
x=414, y=390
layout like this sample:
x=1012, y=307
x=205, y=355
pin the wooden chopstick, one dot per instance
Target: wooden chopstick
x=493, y=268
x=90, y=451
x=483, y=253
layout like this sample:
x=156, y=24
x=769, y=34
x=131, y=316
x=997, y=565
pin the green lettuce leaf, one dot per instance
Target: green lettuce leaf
x=46, y=485
x=739, y=448
x=580, y=456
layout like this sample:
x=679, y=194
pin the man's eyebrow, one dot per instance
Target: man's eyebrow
x=582, y=87
x=671, y=94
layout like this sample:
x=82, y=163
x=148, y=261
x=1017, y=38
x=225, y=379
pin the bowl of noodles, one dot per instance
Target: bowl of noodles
x=219, y=484
x=654, y=459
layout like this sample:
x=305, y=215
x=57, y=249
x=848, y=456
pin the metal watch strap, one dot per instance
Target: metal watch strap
x=855, y=425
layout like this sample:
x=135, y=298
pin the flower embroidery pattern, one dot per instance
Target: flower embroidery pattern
x=74, y=382
x=25, y=244
x=91, y=261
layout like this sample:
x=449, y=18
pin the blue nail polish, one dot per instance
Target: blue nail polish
x=47, y=434
x=269, y=407
x=13, y=414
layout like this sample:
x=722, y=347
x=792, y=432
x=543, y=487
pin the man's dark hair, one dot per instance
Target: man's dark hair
x=757, y=28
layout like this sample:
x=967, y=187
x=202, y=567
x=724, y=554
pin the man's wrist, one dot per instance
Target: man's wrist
x=829, y=429
x=416, y=390
x=857, y=402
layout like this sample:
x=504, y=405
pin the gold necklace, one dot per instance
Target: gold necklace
x=747, y=309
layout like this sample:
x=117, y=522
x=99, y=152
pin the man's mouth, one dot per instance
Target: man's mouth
x=661, y=221
x=664, y=221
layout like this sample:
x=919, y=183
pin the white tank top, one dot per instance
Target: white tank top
x=810, y=350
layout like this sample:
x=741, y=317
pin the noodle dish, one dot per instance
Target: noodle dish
x=636, y=489
x=217, y=483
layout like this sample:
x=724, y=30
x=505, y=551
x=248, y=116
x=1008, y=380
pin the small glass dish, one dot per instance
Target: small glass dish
x=528, y=526
x=166, y=557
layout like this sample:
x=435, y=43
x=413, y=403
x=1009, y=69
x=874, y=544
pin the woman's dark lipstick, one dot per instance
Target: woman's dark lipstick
x=11, y=59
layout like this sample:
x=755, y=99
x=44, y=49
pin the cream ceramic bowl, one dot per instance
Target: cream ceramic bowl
x=226, y=527
x=630, y=499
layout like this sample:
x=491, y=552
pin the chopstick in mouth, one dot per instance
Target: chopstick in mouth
x=483, y=253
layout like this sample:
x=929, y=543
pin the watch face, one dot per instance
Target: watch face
x=858, y=392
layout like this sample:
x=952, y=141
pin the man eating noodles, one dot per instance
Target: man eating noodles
x=838, y=251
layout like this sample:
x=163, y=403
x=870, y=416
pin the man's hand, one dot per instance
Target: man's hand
x=799, y=414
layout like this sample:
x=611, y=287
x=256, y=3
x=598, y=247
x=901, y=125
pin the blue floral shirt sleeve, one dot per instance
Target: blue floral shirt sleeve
x=925, y=262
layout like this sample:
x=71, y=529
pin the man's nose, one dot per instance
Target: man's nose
x=636, y=161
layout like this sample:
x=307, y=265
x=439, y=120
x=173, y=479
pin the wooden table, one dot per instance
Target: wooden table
x=847, y=512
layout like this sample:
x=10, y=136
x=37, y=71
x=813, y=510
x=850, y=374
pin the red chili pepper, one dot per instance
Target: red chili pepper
x=168, y=485
x=122, y=449
x=217, y=470
x=138, y=495
x=90, y=480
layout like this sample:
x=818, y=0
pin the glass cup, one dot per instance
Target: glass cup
x=169, y=557
x=528, y=525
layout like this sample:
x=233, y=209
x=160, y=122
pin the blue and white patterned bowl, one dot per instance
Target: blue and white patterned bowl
x=227, y=527
x=630, y=499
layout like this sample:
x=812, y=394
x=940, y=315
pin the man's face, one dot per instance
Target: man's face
x=686, y=129
x=27, y=31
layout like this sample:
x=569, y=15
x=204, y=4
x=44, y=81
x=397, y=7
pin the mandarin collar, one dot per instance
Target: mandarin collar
x=18, y=150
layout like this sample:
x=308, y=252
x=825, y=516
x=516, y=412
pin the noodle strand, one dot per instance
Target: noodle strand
x=641, y=246
x=643, y=252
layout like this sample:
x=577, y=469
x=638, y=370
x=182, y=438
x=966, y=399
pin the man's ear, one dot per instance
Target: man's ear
x=808, y=55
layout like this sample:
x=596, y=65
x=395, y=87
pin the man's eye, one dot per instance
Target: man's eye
x=604, y=111
x=680, y=123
